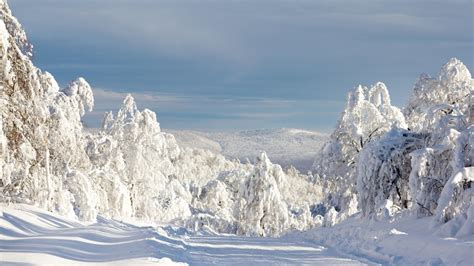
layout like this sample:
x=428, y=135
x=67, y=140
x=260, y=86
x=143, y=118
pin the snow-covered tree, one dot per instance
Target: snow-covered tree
x=383, y=172
x=265, y=213
x=367, y=116
x=453, y=87
x=441, y=179
x=427, y=168
x=132, y=146
x=41, y=126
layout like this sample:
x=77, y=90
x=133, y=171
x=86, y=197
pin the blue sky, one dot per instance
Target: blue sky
x=230, y=65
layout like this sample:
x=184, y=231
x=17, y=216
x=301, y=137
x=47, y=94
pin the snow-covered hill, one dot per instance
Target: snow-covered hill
x=285, y=146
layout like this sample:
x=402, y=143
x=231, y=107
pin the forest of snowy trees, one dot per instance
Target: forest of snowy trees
x=380, y=160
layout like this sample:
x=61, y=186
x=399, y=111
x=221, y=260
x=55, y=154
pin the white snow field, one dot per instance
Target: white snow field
x=30, y=235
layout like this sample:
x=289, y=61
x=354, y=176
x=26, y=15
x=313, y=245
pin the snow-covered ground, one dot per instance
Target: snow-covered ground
x=284, y=146
x=404, y=240
x=33, y=236
x=401, y=240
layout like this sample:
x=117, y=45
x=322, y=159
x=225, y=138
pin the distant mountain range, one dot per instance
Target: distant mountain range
x=285, y=146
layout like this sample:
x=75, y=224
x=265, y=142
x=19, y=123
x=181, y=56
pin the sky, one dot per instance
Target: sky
x=237, y=65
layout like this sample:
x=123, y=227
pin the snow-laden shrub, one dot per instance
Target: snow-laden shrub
x=84, y=195
x=455, y=204
x=113, y=195
x=203, y=166
x=215, y=208
x=432, y=167
x=300, y=193
x=441, y=181
x=383, y=172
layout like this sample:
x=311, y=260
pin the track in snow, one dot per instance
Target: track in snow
x=33, y=236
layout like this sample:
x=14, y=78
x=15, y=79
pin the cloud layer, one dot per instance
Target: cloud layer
x=219, y=113
x=295, y=50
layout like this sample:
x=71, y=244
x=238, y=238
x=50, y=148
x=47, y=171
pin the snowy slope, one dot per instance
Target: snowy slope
x=402, y=240
x=31, y=235
x=284, y=146
x=195, y=140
